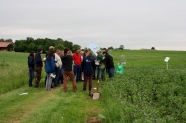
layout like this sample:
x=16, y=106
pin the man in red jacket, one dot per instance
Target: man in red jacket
x=77, y=64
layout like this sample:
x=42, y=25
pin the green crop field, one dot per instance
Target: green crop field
x=146, y=93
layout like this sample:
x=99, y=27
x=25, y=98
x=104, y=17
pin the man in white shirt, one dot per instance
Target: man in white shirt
x=58, y=65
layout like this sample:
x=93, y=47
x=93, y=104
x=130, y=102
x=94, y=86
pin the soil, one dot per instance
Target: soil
x=94, y=120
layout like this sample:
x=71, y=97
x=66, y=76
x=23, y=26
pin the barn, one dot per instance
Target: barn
x=4, y=45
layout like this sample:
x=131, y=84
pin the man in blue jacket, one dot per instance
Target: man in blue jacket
x=88, y=70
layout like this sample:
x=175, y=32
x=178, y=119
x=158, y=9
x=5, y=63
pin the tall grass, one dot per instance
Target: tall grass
x=13, y=70
x=13, y=77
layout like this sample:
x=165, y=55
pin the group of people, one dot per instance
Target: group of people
x=61, y=66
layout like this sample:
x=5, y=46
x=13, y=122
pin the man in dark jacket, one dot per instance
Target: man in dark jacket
x=108, y=60
x=88, y=70
x=67, y=61
x=31, y=67
x=38, y=67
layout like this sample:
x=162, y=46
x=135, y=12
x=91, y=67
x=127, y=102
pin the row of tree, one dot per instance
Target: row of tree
x=5, y=40
x=29, y=44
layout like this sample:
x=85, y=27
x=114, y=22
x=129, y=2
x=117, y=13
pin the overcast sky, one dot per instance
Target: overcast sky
x=135, y=24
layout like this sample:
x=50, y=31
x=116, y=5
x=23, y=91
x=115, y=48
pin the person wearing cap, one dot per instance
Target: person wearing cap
x=108, y=60
x=38, y=63
x=99, y=57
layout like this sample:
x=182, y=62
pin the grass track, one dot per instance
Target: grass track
x=41, y=106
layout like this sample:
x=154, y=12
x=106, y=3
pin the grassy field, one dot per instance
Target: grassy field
x=147, y=92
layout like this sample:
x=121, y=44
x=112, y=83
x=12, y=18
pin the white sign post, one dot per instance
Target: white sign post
x=123, y=59
x=94, y=47
x=167, y=60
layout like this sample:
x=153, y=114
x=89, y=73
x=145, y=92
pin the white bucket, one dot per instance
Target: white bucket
x=96, y=95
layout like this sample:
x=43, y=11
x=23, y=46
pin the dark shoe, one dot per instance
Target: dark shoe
x=91, y=95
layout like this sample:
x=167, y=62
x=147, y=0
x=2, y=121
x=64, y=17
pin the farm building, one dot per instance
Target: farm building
x=4, y=45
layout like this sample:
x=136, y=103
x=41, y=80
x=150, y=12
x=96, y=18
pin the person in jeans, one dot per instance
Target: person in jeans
x=51, y=48
x=67, y=61
x=108, y=60
x=77, y=64
x=49, y=69
x=88, y=69
x=60, y=80
x=38, y=67
x=31, y=67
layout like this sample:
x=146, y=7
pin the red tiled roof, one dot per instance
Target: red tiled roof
x=4, y=44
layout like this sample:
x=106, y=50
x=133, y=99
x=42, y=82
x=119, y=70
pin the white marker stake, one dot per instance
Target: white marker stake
x=167, y=66
x=167, y=60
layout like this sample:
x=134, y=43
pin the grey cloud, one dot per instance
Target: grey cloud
x=134, y=24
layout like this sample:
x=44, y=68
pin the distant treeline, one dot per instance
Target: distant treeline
x=30, y=44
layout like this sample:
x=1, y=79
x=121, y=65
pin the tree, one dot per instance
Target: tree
x=121, y=47
x=8, y=40
x=59, y=41
x=152, y=48
x=29, y=40
x=68, y=44
x=22, y=47
x=110, y=48
x=59, y=47
x=2, y=40
x=31, y=44
x=10, y=47
x=31, y=47
x=103, y=48
x=75, y=46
